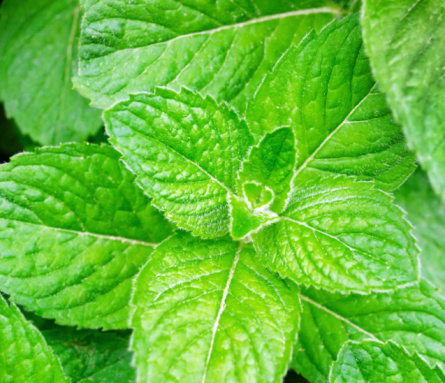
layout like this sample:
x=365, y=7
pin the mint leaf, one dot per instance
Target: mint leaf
x=270, y=165
x=92, y=356
x=427, y=213
x=38, y=50
x=325, y=91
x=264, y=183
x=207, y=311
x=84, y=231
x=413, y=317
x=340, y=234
x=186, y=151
x=376, y=362
x=24, y=354
x=403, y=38
x=222, y=49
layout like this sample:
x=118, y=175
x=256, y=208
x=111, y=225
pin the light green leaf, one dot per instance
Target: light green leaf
x=270, y=165
x=92, y=356
x=427, y=213
x=405, y=39
x=186, y=151
x=220, y=48
x=340, y=234
x=207, y=311
x=74, y=230
x=376, y=362
x=38, y=57
x=325, y=91
x=24, y=354
x=413, y=317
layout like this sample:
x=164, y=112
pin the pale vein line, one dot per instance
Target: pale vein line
x=326, y=140
x=279, y=16
x=220, y=311
x=339, y=317
x=86, y=233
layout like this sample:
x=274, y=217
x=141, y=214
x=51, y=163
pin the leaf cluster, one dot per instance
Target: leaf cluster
x=222, y=191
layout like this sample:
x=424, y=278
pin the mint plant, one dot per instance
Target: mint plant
x=248, y=213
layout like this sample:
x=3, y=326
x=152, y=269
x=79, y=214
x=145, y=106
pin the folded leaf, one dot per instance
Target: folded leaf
x=74, y=230
x=270, y=165
x=427, y=213
x=38, y=50
x=405, y=39
x=376, y=362
x=413, y=317
x=207, y=311
x=325, y=91
x=186, y=151
x=340, y=234
x=220, y=48
x=24, y=354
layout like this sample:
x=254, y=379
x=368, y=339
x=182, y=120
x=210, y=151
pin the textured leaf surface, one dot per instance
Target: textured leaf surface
x=85, y=230
x=427, y=214
x=413, y=317
x=220, y=48
x=207, y=311
x=24, y=354
x=340, y=234
x=271, y=166
x=405, y=39
x=376, y=362
x=186, y=152
x=38, y=57
x=325, y=91
x=92, y=356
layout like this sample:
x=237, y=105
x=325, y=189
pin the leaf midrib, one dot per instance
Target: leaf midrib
x=87, y=233
x=338, y=316
x=305, y=164
x=240, y=25
x=222, y=307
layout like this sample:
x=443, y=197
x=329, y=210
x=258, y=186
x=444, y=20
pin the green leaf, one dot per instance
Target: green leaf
x=207, y=311
x=413, y=317
x=427, y=213
x=74, y=230
x=404, y=39
x=186, y=151
x=376, y=362
x=92, y=356
x=325, y=91
x=340, y=234
x=271, y=165
x=38, y=50
x=222, y=49
x=24, y=354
